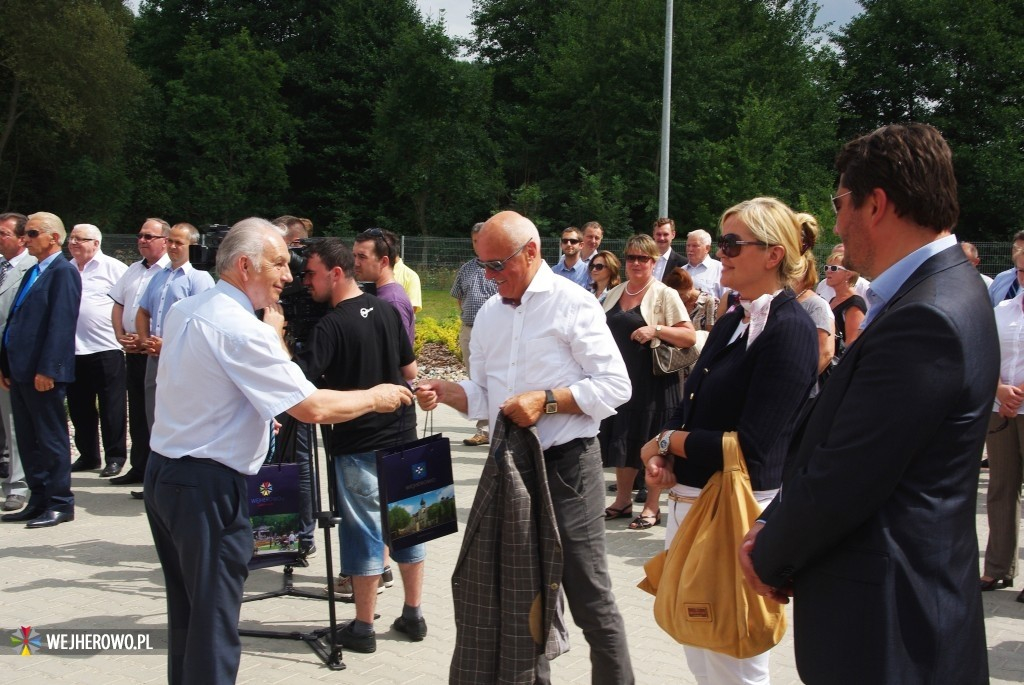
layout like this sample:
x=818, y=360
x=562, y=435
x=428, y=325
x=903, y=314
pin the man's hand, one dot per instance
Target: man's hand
x=429, y=394
x=43, y=383
x=129, y=342
x=525, y=409
x=273, y=315
x=153, y=345
x=387, y=398
x=746, y=551
x=1010, y=399
x=5, y=382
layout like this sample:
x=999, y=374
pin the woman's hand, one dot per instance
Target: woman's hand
x=643, y=335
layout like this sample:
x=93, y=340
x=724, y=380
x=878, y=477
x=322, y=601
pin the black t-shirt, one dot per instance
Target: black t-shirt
x=357, y=345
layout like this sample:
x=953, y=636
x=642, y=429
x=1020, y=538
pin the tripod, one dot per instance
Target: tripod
x=298, y=441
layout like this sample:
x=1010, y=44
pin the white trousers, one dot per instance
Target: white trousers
x=712, y=668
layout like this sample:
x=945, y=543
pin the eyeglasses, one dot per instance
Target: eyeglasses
x=834, y=268
x=835, y=203
x=33, y=233
x=76, y=239
x=499, y=264
x=596, y=267
x=730, y=244
x=639, y=258
x=570, y=241
x=146, y=237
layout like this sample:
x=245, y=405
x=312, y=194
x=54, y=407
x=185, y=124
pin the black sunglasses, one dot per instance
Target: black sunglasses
x=571, y=241
x=146, y=237
x=730, y=244
x=32, y=233
x=596, y=267
x=641, y=258
x=499, y=264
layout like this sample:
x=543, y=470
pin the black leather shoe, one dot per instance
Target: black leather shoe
x=416, y=630
x=138, y=494
x=367, y=644
x=133, y=477
x=50, y=518
x=112, y=469
x=26, y=514
x=995, y=584
x=81, y=465
x=641, y=496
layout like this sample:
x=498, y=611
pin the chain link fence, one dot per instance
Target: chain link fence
x=437, y=260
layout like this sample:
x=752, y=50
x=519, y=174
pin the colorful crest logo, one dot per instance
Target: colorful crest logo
x=266, y=487
x=24, y=640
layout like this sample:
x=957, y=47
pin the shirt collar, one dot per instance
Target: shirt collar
x=236, y=295
x=886, y=284
x=543, y=281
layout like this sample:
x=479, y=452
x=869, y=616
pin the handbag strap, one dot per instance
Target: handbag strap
x=732, y=455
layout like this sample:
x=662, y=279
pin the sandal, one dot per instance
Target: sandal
x=623, y=513
x=645, y=521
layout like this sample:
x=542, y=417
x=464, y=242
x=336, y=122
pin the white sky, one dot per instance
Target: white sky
x=456, y=13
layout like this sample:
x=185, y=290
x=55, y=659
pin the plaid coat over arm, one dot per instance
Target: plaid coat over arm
x=507, y=581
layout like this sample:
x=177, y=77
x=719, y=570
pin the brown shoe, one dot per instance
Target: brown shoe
x=477, y=440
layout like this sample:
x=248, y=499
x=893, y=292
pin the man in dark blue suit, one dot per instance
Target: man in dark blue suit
x=37, y=361
x=873, y=532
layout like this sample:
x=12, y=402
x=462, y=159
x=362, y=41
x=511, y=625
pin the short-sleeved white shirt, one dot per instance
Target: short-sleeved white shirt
x=128, y=291
x=223, y=376
x=94, y=331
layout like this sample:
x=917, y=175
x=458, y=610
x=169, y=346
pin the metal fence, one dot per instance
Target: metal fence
x=436, y=260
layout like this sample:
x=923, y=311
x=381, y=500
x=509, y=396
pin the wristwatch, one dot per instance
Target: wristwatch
x=664, y=442
x=657, y=331
x=550, y=403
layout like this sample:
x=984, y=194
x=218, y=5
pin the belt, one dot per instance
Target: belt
x=574, y=447
x=208, y=462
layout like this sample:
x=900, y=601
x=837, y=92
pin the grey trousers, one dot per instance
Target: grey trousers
x=576, y=482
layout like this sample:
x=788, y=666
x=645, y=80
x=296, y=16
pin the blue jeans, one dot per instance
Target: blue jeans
x=361, y=539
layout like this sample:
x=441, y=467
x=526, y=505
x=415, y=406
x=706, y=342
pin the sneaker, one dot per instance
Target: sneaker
x=343, y=588
x=477, y=440
x=387, y=578
x=416, y=630
x=14, y=502
x=367, y=644
x=307, y=549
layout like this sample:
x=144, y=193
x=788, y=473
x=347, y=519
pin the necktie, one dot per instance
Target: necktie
x=5, y=266
x=33, y=274
x=1012, y=292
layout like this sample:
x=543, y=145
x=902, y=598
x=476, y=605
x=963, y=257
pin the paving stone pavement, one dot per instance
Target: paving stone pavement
x=101, y=571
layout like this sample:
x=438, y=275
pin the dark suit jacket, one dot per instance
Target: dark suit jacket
x=41, y=332
x=874, y=525
x=756, y=391
x=675, y=259
x=507, y=580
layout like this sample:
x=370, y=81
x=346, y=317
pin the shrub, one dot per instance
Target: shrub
x=446, y=332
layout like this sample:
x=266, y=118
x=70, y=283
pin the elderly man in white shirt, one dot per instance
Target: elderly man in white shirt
x=195, y=488
x=99, y=359
x=542, y=354
x=705, y=271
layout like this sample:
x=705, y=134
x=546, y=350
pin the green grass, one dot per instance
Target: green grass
x=438, y=304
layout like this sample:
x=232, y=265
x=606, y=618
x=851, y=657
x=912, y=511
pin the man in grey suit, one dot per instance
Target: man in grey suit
x=16, y=261
x=873, y=532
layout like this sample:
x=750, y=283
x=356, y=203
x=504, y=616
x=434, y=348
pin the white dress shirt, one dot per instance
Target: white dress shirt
x=707, y=276
x=557, y=337
x=1010, y=327
x=217, y=351
x=94, y=332
x=659, y=265
x=128, y=291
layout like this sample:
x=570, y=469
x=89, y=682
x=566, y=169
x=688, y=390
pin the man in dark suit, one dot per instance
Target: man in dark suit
x=37, y=361
x=873, y=532
x=664, y=232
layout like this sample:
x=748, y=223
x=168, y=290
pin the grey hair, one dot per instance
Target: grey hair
x=702, y=235
x=91, y=231
x=476, y=228
x=52, y=223
x=246, y=238
x=165, y=228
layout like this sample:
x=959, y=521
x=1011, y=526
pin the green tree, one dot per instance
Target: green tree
x=230, y=129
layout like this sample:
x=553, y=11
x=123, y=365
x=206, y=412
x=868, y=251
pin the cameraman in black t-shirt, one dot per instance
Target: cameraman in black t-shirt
x=358, y=344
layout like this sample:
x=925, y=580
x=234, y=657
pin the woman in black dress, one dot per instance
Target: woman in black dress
x=642, y=312
x=848, y=307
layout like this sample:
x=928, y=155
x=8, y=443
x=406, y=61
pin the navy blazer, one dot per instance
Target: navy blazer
x=40, y=333
x=757, y=392
x=875, y=523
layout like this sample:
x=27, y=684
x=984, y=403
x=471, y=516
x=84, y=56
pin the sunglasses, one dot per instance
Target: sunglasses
x=570, y=241
x=146, y=237
x=639, y=258
x=499, y=265
x=597, y=267
x=835, y=200
x=834, y=268
x=730, y=244
x=33, y=233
